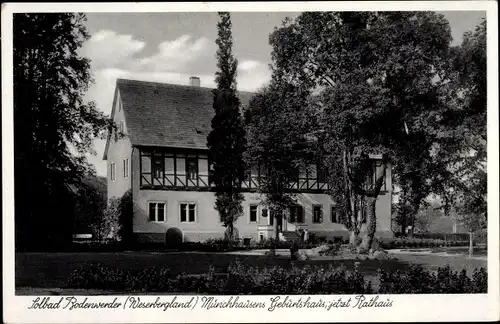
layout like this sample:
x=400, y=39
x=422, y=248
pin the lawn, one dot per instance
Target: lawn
x=51, y=270
x=478, y=251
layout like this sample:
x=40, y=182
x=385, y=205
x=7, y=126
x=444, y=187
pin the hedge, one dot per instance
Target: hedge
x=212, y=245
x=409, y=242
x=240, y=279
x=220, y=245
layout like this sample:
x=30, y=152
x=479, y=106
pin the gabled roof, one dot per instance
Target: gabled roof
x=168, y=115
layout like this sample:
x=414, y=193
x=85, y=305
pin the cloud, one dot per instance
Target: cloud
x=106, y=49
x=248, y=65
x=176, y=54
x=252, y=75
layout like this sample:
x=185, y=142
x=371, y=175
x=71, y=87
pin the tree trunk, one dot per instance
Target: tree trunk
x=471, y=244
x=403, y=223
x=403, y=213
x=371, y=224
x=230, y=227
x=353, y=237
x=413, y=223
x=276, y=226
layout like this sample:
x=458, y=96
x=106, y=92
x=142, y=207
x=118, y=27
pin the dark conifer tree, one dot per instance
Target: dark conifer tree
x=226, y=141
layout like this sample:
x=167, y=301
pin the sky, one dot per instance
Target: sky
x=171, y=47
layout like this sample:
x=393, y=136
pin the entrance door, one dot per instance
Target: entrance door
x=280, y=222
x=285, y=222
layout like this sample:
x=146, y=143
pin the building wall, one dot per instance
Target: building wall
x=117, y=152
x=207, y=224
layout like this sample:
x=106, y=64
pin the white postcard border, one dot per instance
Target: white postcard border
x=405, y=307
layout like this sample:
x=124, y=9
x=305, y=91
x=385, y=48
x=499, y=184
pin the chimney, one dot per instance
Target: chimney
x=194, y=81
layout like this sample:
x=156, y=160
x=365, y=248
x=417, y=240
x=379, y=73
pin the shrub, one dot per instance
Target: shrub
x=479, y=281
x=97, y=276
x=445, y=281
x=240, y=279
x=409, y=242
x=443, y=236
x=150, y=280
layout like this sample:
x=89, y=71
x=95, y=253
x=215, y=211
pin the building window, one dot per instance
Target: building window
x=188, y=212
x=192, y=168
x=322, y=173
x=157, y=211
x=269, y=215
x=173, y=169
x=296, y=175
x=317, y=213
x=253, y=213
x=157, y=166
x=247, y=175
x=371, y=177
x=122, y=126
x=334, y=217
x=296, y=214
x=125, y=168
x=113, y=171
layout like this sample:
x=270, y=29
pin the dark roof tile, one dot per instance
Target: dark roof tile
x=159, y=114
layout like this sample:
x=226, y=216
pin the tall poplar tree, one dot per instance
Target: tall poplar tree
x=226, y=141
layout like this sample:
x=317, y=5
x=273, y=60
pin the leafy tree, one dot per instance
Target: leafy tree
x=126, y=218
x=226, y=141
x=115, y=220
x=463, y=138
x=91, y=201
x=378, y=78
x=277, y=144
x=107, y=226
x=53, y=126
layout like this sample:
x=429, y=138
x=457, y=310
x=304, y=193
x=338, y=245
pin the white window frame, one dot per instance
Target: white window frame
x=268, y=216
x=322, y=215
x=113, y=171
x=300, y=208
x=156, y=211
x=250, y=221
x=125, y=169
x=187, y=210
x=333, y=211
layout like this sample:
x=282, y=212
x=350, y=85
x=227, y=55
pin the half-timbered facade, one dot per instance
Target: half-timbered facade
x=162, y=157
